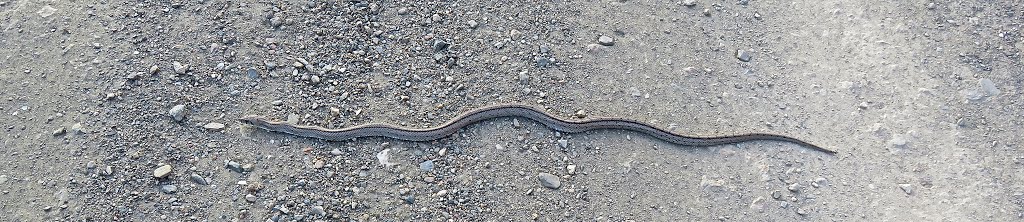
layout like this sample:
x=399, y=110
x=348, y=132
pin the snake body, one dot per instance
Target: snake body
x=497, y=111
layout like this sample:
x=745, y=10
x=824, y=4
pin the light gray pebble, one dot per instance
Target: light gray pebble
x=177, y=112
x=473, y=24
x=606, y=40
x=214, y=126
x=427, y=165
x=235, y=166
x=776, y=194
x=336, y=152
x=277, y=103
x=989, y=87
x=154, y=70
x=250, y=198
x=169, y=189
x=689, y=3
x=549, y=180
x=180, y=68
x=319, y=211
x=743, y=55
x=907, y=188
x=59, y=131
x=162, y=171
x=198, y=179
x=563, y=143
x=77, y=128
x=106, y=171
x=795, y=187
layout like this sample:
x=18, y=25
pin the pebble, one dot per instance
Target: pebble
x=907, y=188
x=179, y=68
x=77, y=128
x=427, y=165
x=252, y=73
x=250, y=198
x=106, y=171
x=403, y=11
x=410, y=199
x=776, y=194
x=277, y=103
x=989, y=87
x=548, y=180
x=563, y=143
x=595, y=48
x=606, y=40
x=473, y=24
x=162, y=171
x=177, y=112
x=154, y=70
x=59, y=131
x=543, y=62
x=317, y=164
x=319, y=211
x=336, y=152
x=820, y=181
x=743, y=55
x=168, y=189
x=801, y=211
x=235, y=166
x=3, y=179
x=214, y=126
x=571, y=169
x=898, y=141
x=440, y=45
x=197, y=179
x=689, y=3
x=795, y=187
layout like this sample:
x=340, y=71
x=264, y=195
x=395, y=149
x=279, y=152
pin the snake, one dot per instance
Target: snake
x=512, y=110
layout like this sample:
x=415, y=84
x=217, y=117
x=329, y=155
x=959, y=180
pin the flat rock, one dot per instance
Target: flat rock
x=743, y=55
x=549, y=180
x=162, y=171
x=214, y=126
x=606, y=40
x=168, y=189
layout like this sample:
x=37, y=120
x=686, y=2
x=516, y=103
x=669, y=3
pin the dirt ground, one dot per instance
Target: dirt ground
x=126, y=111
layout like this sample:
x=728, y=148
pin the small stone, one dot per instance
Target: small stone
x=427, y=165
x=315, y=79
x=580, y=114
x=795, y=187
x=907, y=188
x=169, y=189
x=898, y=141
x=177, y=112
x=197, y=179
x=298, y=64
x=59, y=131
x=743, y=55
x=410, y=199
x=403, y=11
x=235, y=166
x=689, y=3
x=801, y=211
x=757, y=204
x=77, y=128
x=440, y=45
x=214, y=126
x=820, y=181
x=548, y=180
x=317, y=164
x=179, y=68
x=250, y=198
x=435, y=18
x=989, y=87
x=606, y=40
x=252, y=73
x=563, y=143
x=707, y=12
x=277, y=103
x=336, y=152
x=776, y=194
x=90, y=165
x=162, y=171
x=595, y=48
x=543, y=62
x=472, y=24
x=319, y=211
x=571, y=169
x=153, y=70
x=106, y=171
